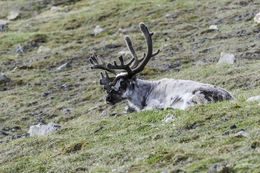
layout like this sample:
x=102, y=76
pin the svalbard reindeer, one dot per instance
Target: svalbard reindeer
x=145, y=95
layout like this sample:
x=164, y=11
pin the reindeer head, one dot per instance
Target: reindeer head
x=123, y=82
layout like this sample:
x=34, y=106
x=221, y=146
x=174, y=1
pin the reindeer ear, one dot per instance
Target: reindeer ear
x=132, y=84
x=133, y=78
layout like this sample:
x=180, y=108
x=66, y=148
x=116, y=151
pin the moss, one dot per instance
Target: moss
x=73, y=148
x=198, y=139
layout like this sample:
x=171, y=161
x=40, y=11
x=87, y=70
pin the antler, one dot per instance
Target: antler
x=130, y=47
x=96, y=65
x=134, y=66
x=150, y=54
x=139, y=64
x=106, y=80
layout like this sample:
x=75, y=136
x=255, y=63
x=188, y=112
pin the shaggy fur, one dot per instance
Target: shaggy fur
x=165, y=93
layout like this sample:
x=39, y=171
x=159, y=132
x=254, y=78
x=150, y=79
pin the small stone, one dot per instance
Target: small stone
x=19, y=50
x=114, y=115
x=213, y=27
x=15, y=128
x=4, y=78
x=226, y=58
x=40, y=130
x=13, y=15
x=6, y=129
x=19, y=136
x=178, y=170
x=3, y=27
x=168, y=119
x=3, y=22
x=55, y=8
x=45, y=94
x=241, y=134
x=220, y=167
x=124, y=52
x=257, y=18
x=97, y=30
x=233, y=127
x=156, y=137
x=253, y=99
x=255, y=144
x=226, y=133
x=43, y=49
x=104, y=112
x=127, y=30
x=171, y=66
x=63, y=67
x=171, y=16
x=3, y=133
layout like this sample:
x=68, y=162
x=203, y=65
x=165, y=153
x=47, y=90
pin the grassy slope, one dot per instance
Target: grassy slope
x=139, y=142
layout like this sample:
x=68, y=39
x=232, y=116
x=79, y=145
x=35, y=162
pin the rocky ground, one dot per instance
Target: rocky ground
x=45, y=77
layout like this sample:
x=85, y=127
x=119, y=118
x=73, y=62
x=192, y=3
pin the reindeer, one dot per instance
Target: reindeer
x=147, y=95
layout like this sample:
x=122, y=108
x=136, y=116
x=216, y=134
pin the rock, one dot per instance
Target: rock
x=220, y=167
x=156, y=137
x=226, y=58
x=127, y=30
x=175, y=65
x=233, y=126
x=241, y=134
x=6, y=129
x=40, y=130
x=4, y=78
x=63, y=67
x=171, y=16
x=257, y=18
x=97, y=30
x=180, y=158
x=3, y=22
x=3, y=28
x=2, y=134
x=13, y=15
x=213, y=27
x=168, y=119
x=3, y=25
x=55, y=8
x=178, y=170
x=124, y=52
x=104, y=112
x=19, y=50
x=16, y=128
x=255, y=144
x=43, y=49
x=253, y=99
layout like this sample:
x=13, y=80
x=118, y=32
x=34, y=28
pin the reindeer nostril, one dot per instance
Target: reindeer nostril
x=109, y=98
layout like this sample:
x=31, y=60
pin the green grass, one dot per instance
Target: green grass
x=96, y=137
x=128, y=142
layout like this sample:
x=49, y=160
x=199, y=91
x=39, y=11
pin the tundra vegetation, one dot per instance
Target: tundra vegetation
x=96, y=137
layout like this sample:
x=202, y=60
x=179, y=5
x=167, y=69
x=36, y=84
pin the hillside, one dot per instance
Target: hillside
x=43, y=35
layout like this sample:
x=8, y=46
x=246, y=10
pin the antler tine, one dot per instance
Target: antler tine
x=122, y=65
x=121, y=75
x=150, y=54
x=131, y=49
x=96, y=65
x=102, y=75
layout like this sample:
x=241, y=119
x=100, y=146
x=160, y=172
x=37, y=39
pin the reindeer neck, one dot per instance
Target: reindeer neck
x=138, y=95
